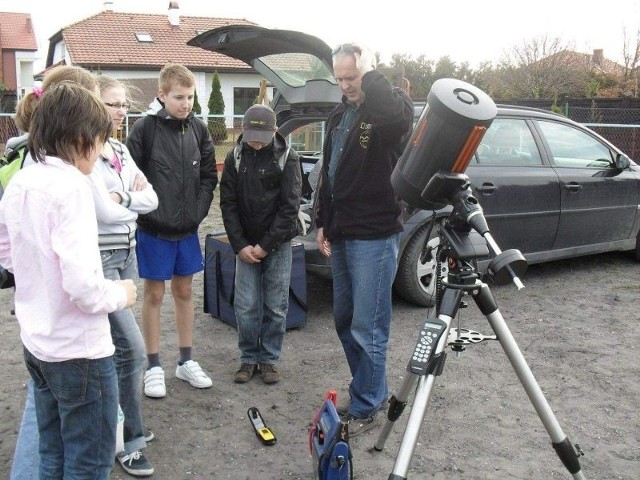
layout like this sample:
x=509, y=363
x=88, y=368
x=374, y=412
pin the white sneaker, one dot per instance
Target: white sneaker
x=154, y=383
x=191, y=372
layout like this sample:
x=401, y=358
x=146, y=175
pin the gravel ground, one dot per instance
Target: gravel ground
x=576, y=323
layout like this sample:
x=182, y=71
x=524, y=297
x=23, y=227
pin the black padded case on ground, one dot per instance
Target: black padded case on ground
x=219, y=277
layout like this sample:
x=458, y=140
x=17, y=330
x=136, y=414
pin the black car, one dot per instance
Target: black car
x=548, y=186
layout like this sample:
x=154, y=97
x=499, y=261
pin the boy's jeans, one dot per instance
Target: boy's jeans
x=261, y=303
x=26, y=459
x=77, y=410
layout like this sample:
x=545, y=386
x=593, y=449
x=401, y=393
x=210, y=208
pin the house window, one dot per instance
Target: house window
x=243, y=98
x=144, y=37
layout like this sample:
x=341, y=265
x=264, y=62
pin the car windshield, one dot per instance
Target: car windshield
x=296, y=69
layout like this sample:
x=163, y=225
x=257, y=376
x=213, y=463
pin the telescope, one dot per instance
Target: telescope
x=430, y=175
x=450, y=128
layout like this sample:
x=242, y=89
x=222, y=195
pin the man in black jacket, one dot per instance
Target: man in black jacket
x=358, y=223
x=259, y=199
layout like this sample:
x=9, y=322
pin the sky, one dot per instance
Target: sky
x=465, y=30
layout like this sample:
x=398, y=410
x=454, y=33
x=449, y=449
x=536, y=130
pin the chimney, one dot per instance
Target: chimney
x=174, y=13
x=108, y=5
x=598, y=56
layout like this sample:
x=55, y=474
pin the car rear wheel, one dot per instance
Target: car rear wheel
x=416, y=279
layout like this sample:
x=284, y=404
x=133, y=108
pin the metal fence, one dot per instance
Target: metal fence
x=621, y=126
x=624, y=133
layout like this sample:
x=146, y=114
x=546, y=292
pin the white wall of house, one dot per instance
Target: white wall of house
x=24, y=72
x=60, y=53
x=229, y=81
x=125, y=74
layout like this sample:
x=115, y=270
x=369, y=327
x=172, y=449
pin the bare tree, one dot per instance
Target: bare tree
x=631, y=63
x=543, y=67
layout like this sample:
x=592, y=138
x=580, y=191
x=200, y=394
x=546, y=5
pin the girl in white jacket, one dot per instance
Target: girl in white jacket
x=121, y=192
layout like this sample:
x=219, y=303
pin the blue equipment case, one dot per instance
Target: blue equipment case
x=219, y=278
x=329, y=444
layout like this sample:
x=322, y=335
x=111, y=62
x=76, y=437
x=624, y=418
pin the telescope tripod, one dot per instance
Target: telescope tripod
x=428, y=358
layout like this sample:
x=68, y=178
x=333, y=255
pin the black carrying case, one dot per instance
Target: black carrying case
x=219, y=278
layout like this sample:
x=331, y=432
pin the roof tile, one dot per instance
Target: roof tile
x=16, y=32
x=108, y=39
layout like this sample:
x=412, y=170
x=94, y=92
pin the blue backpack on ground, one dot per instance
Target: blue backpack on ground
x=329, y=444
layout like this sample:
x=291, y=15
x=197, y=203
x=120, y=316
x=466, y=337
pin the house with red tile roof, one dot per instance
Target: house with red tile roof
x=18, y=49
x=135, y=46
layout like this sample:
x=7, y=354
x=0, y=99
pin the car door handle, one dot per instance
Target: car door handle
x=487, y=189
x=573, y=187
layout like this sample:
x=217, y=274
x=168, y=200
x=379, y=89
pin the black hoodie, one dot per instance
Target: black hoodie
x=180, y=164
x=259, y=201
x=362, y=204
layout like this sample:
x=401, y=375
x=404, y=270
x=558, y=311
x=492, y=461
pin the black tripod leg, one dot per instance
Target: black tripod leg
x=487, y=305
x=411, y=432
x=397, y=403
x=448, y=309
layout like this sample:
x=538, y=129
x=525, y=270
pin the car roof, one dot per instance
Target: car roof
x=531, y=112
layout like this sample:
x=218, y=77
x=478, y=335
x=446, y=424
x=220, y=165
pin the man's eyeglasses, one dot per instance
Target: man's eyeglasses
x=118, y=106
x=347, y=48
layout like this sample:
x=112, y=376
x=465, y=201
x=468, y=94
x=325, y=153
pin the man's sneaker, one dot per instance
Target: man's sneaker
x=154, y=383
x=245, y=373
x=358, y=426
x=269, y=373
x=136, y=464
x=148, y=435
x=384, y=406
x=191, y=372
x=343, y=406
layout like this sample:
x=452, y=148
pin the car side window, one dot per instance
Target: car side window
x=571, y=147
x=508, y=142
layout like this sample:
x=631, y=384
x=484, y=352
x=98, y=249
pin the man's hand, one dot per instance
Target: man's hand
x=324, y=245
x=365, y=61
